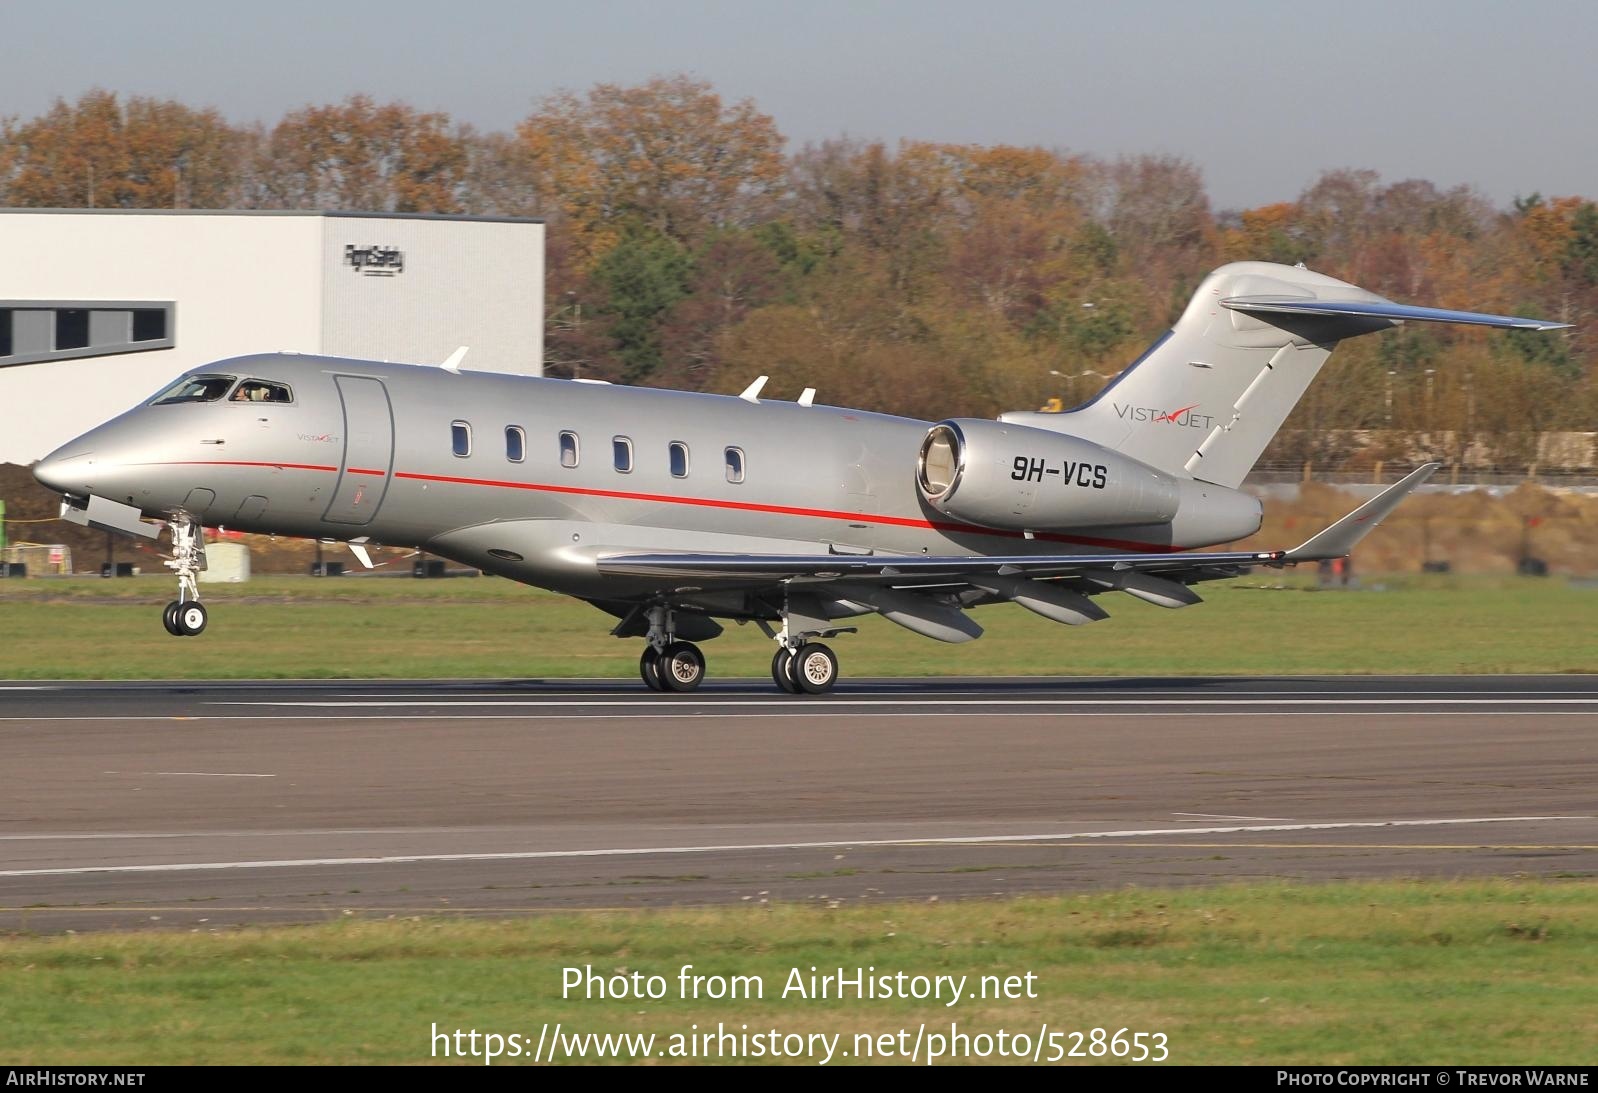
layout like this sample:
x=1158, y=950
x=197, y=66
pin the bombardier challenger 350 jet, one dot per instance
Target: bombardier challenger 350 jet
x=672, y=510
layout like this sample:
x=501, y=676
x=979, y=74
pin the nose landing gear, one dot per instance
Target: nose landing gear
x=185, y=616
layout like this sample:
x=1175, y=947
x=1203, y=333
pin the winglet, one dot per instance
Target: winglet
x=752, y=392
x=453, y=364
x=1337, y=540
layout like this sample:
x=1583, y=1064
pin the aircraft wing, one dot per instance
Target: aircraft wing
x=911, y=570
x=1098, y=571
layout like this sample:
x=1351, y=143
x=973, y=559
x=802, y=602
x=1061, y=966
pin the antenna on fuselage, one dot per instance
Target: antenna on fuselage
x=807, y=396
x=453, y=364
x=752, y=392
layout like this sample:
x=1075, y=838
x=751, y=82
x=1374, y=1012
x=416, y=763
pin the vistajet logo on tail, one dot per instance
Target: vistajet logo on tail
x=1185, y=416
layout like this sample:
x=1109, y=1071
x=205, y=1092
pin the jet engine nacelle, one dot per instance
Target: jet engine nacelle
x=1018, y=478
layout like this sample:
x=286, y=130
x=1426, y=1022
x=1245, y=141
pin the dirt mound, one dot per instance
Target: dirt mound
x=1474, y=531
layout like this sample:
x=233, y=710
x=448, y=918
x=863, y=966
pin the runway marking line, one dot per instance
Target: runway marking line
x=894, y=700
x=714, y=694
x=659, y=851
x=797, y=711
x=182, y=774
x=1358, y=846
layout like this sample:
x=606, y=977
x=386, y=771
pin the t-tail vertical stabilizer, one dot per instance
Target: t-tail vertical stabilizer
x=1206, y=399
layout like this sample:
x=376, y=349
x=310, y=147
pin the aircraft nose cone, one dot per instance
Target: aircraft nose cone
x=63, y=472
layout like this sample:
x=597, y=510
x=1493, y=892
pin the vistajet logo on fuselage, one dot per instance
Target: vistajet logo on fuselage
x=1184, y=417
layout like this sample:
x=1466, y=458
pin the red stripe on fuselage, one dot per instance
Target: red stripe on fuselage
x=713, y=503
x=789, y=510
x=365, y=470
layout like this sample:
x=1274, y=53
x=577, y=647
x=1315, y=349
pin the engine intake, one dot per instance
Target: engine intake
x=1018, y=478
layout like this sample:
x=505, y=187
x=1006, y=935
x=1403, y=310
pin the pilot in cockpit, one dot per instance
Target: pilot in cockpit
x=254, y=391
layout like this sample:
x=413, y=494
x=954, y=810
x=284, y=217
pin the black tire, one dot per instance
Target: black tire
x=682, y=666
x=649, y=669
x=815, y=668
x=190, y=618
x=169, y=618
x=781, y=672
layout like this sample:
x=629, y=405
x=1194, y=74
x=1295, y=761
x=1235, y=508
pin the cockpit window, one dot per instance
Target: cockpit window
x=261, y=391
x=195, y=389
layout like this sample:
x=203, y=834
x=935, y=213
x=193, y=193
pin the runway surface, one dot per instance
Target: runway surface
x=209, y=804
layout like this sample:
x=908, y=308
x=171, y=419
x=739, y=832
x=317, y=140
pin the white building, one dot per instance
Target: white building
x=100, y=308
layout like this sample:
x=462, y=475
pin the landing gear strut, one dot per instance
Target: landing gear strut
x=811, y=668
x=185, y=616
x=669, y=664
x=802, y=665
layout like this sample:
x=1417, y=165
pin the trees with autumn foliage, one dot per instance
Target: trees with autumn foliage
x=688, y=247
x=100, y=153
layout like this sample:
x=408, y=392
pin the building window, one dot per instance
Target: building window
x=72, y=328
x=735, y=465
x=461, y=438
x=568, y=449
x=34, y=331
x=679, y=459
x=149, y=324
x=621, y=449
x=515, y=443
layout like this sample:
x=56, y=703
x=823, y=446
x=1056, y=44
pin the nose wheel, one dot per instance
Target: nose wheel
x=185, y=616
x=184, y=620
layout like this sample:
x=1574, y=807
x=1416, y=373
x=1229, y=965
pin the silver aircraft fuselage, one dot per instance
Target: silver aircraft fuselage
x=368, y=451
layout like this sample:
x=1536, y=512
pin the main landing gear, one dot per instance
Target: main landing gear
x=185, y=616
x=811, y=669
x=676, y=666
x=669, y=664
x=801, y=665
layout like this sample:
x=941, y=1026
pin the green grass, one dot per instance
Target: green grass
x=275, y=627
x=1381, y=973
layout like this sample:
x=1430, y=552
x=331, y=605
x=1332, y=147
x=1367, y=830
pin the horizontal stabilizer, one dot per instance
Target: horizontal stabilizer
x=1381, y=309
x=1339, y=539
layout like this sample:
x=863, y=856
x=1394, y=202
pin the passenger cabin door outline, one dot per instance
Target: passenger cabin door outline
x=368, y=451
